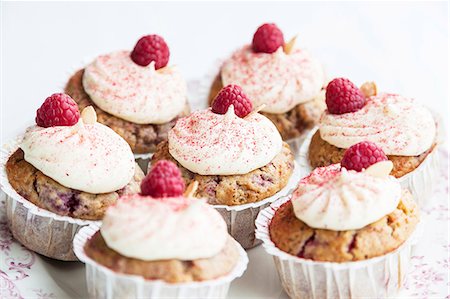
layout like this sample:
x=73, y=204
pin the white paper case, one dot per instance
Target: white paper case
x=143, y=160
x=37, y=229
x=240, y=219
x=378, y=277
x=107, y=284
x=419, y=181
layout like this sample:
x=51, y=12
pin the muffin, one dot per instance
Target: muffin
x=137, y=94
x=63, y=174
x=287, y=79
x=160, y=243
x=237, y=157
x=342, y=233
x=404, y=129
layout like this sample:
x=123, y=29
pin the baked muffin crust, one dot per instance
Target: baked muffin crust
x=231, y=190
x=172, y=271
x=142, y=138
x=48, y=194
x=295, y=237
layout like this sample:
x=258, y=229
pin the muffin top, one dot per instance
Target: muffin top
x=279, y=80
x=399, y=125
x=162, y=223
x=151, y=229
x=78, y=153
x=151, y=93
x=211, y=142
x=338, y=199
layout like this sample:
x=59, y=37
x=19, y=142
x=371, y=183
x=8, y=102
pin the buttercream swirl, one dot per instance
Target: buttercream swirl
x=159, y=229
x=279, y=80
x=339, y=200
x=224, y=144
x=139, y=94
x=399, y=125
x=86, y=157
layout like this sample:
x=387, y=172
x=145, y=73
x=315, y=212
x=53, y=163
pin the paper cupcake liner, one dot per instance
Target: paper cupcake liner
x=104, y=283
x=296, y=143
x=240, y=219
x=143, y=160
x=37, y=229
x=378, y=277
x=420, y=181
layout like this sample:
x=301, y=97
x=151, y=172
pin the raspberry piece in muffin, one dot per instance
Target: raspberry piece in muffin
x=232, y=95
x=164, y=180
x=58, y=109
x=151, y=48
x=267, y=38
x=361, y=155
x=342, y=96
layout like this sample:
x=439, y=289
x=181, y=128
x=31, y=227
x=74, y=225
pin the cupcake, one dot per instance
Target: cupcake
x=237, y=157
x=287, y=79
x=63, y=174
x=343, y=233
x=160, y=244
x=137, y=94
x=404, y=129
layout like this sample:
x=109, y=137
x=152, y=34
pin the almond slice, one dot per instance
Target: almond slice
x=369, y=89
x=191, y=189
x=380, y=170
x=259, y=108
x=88, y=115
x=289, y=45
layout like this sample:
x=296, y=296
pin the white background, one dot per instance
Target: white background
x=402, y=46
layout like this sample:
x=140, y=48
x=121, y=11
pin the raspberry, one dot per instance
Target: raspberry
x=58, y=109
x=267, y=39
x=151, y=48
x=163, y=180
x=232, y=95
x=342, y=96
x=361, y=155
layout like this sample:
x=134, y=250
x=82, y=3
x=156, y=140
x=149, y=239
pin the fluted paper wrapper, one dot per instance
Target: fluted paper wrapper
x=240, y=219
x=379, y=277
x=107, y=284
x=419, y=181
x=37, y=229
x=143, y=160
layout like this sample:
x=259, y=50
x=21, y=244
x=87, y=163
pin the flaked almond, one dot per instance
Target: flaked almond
x=289, y=45
x=88, y=115
x=191, y=189
x=381, y=169
x=369, y=89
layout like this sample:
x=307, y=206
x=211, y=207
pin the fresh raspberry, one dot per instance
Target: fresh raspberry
x=361, y=155
x=267, y=39
x=342, y=96
x=58, y=109
x=151, y=48
x=232, y=95
x=163, y=180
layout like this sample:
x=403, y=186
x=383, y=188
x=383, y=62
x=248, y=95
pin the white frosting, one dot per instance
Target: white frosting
x=398, y=125
x=344, y=200
x=167, y=228
x=139, y=94
x=224, y=144
x=85, y=157
x=279, y=80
